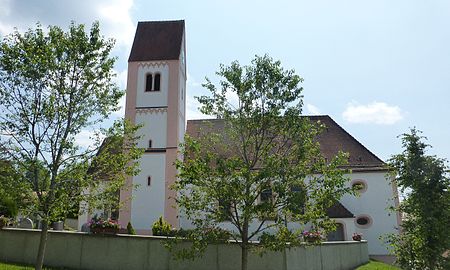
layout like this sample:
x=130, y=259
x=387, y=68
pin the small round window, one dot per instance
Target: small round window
x=359, y=185
x=363, y=221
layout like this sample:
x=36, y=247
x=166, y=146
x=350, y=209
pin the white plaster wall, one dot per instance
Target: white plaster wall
x=148, y=201
x=153, y=98
x=374, y=202
x=154, y=128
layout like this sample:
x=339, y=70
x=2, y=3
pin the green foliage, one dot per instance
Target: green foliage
x=130, y=229
x=161, y=227
x=425, y=231
x=8, y=207
x=14, y=194
x=54, y=85
x=4, y=221
x=266, y=146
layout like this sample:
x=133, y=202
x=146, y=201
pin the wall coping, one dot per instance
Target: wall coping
x=152, y=237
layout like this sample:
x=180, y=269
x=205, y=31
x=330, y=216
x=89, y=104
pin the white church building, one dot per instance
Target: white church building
x=156, y=99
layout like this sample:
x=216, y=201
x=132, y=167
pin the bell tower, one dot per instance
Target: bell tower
x=155, y=99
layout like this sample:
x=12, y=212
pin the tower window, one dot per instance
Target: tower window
x=149, y=181
x=157, y=82
x=266, y=195
x=149, y=82
x=149, y=143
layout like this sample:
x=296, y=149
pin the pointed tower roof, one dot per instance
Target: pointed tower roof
x=159, y=40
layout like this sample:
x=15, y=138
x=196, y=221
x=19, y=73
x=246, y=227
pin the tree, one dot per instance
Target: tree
x=11, y=196
x=53, y=85
x=423, y=180
x=263, y=169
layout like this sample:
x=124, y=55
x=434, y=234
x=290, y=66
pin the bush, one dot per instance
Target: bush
x=8, y=207
x=4, y=221
x=162, y=228
x=130, y=229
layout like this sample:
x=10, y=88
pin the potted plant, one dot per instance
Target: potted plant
x=357, y=236
x=312, y=236
x=98, y=225
x=4, y=221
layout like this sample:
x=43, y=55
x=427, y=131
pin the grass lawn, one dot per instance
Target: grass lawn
x=12, y=266
x=374, y=265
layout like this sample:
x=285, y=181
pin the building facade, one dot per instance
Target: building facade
x=156, y=99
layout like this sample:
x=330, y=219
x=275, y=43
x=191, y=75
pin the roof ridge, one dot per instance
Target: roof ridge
x=162, y=21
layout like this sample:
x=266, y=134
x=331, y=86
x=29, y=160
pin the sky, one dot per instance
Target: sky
x=378, y=68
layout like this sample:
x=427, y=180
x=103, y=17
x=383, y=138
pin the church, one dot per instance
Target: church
x=156, y=99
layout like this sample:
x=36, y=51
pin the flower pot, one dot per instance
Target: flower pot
x=356, y=237
x=312, y=239
x=104, y=231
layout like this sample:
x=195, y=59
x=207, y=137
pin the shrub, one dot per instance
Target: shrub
x=162, y=228
x=8, y=207
x=4, y=221
x=130, y=229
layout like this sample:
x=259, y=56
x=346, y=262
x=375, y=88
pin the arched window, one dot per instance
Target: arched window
x=149, y=181
x=148, y=83
x=157, y=82
x=338, y=234
x=149, y=143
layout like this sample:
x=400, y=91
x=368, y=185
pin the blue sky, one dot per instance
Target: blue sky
x=376, y=67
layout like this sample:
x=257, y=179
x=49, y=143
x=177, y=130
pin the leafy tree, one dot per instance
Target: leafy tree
x=12, y=192
x=425, y=230
x=263, y=169
x=54, y=84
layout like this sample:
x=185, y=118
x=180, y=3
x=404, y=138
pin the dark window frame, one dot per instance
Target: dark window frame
x=147, y=82
x=149, y=181
x=157, y=82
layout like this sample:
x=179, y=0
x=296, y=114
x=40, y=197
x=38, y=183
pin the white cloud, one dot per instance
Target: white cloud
x=113, y=15
x=85, y=138
x=192, y=109
x=121, y=80
x=311, y=109
x=375, y=112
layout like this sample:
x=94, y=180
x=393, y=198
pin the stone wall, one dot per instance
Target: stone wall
x=83, y=251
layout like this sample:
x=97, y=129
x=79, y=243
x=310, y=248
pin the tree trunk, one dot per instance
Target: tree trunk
x=244, y=245
x=42, y=245
x=244, y=256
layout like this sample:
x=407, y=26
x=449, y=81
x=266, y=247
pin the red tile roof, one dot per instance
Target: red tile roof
x=332, y=140
x=159, y=40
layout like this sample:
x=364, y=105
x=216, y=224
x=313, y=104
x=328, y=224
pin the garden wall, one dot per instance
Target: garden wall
x=83, y=251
